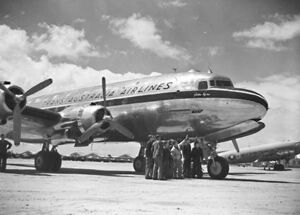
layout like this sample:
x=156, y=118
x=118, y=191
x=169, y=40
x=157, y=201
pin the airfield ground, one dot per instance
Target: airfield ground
x=114, y=188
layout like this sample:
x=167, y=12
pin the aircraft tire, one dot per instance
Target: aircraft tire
x=55, y=161
x=139, y=164
x=219, y=171
x=278, y=167
x=42, y=161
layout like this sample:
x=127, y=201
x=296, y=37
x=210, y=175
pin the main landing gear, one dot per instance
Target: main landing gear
x=278, y=167
x=47, y=161
x=217, y=167
x=139, y=161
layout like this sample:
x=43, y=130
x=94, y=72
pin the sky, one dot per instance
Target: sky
x=256, y=43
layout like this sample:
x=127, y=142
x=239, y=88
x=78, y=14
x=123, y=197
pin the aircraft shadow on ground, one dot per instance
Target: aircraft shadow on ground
x=120, y=173
x=117, y=173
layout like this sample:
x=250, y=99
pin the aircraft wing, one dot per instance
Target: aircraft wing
x=35, y=122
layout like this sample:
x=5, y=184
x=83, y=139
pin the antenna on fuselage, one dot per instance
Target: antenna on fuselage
x=209, y=70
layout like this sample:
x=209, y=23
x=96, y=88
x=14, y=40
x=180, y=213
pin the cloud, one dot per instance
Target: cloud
x=168, y=23
x=14, y=43
x=18, y=65
x=63, y=41
x=172, y=3
x=79, y=21
x=105, y=17
x=142, y=32
x=215, y=50
x=282, y=119
x=271, y=35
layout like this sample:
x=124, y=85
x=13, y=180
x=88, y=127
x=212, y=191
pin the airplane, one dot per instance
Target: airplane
x=266, y=152
x=172, y=105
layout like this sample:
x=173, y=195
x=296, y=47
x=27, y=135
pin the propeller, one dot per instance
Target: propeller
x=17, y=120
x=104, y=92
x=95, y=128
x=121, y=129
x=105, y=123
x=38, y=87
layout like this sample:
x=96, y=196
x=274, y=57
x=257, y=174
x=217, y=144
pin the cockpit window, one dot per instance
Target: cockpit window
x=223, y=83
x=212, y=83
x=202, y=85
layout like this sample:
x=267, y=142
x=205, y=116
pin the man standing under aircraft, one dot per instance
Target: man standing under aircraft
x=186, y=152
x=149, y=157
x=167, y=160
x=177, y=156
x=157, y=151
x=4, y=146
x=197, y=157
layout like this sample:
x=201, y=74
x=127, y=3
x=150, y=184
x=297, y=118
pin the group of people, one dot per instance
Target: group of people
x=166, y=159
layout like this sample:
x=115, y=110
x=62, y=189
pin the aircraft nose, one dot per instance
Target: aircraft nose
x=254, y=96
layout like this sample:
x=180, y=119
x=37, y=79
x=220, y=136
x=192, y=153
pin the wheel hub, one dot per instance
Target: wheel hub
x=216, y=168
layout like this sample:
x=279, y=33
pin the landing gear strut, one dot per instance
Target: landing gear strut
x=217, y=167
x=139, y=161
x=46, y=160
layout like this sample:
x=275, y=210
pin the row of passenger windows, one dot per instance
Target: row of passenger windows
x=215, y=83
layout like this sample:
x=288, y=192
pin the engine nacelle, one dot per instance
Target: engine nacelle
x=85, y=116
x=8, y=103
x=89, y=116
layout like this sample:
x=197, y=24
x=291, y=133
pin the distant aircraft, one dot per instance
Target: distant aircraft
x=199, y=104
x=266, y=152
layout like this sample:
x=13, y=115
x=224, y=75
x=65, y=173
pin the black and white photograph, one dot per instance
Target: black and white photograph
x=149, y=107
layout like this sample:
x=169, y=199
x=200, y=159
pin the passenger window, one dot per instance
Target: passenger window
x=212, y=83
x=202, y=85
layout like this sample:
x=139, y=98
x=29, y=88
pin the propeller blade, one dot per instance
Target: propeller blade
x=121, y=129
x=104, y=91
x=17, y=124
x=38, y=87
x=96, y=128
x=2, y=87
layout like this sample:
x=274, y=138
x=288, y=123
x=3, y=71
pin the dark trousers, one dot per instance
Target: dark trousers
x=149, y=167
x=187, y=167
x=197, y=170
x=3, y=158
x=158, y=169
x=168, y=168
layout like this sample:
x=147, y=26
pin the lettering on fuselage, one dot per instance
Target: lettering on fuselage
x=92, y=95
x=201, y=94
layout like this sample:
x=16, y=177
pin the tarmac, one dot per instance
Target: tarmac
x=114, y=188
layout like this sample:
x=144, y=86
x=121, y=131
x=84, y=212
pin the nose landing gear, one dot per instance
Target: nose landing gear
x=217, y=167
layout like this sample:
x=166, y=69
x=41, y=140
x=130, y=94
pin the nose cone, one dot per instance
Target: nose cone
x=259, y=102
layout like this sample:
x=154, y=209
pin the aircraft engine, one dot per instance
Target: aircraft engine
x=88, y=116
x=8, y=102
x=85, y=118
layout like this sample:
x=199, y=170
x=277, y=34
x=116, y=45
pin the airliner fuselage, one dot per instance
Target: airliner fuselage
x=173, y=105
